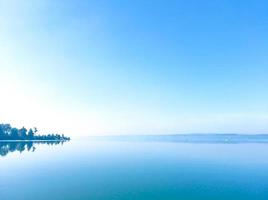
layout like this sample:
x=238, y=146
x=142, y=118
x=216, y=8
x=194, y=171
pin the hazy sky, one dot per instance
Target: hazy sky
x=134, y=67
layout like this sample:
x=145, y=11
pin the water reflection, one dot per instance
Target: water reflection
x=9, y=147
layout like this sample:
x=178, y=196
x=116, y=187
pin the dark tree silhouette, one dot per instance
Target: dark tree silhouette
x=23, y=133
x=30, y=134
x=10, y=133
x=14, y=133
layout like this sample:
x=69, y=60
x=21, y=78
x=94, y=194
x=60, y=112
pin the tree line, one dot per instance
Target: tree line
x=7, y=132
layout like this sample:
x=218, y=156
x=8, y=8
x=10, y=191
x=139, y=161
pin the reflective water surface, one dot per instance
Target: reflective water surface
x=7, y=147
x=99, y=170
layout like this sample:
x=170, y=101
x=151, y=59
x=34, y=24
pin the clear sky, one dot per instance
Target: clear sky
x=135, y=67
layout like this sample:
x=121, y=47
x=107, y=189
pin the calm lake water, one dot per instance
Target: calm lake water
x=111, y=170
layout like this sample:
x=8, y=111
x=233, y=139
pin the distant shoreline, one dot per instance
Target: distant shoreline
x=189, y=138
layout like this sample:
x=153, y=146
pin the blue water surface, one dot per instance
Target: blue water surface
x=125, y=170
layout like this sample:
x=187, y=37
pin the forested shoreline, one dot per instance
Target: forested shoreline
x=7, y=132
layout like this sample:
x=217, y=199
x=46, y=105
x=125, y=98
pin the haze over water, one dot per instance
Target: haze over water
x=87, y=68
x=114, y=170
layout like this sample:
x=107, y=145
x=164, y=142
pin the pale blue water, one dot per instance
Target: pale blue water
x=87, y=170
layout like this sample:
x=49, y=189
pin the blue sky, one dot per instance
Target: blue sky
x=135, y=67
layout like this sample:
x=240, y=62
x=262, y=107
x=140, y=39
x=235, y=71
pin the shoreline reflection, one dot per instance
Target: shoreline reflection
x=7, y=147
